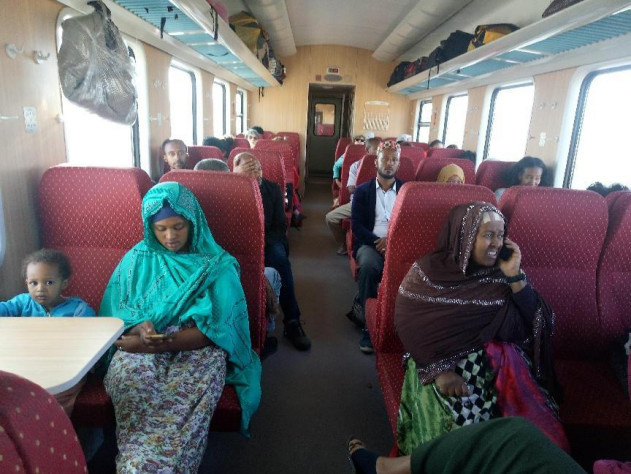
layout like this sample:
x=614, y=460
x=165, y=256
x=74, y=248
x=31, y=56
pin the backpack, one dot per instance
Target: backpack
x=455, y=45
x=485, y=34
x=557, y=6
x=399, y=73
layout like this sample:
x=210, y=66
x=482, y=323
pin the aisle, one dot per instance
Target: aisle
x=311, y=401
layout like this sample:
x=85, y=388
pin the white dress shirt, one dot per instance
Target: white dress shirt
x=383, y=208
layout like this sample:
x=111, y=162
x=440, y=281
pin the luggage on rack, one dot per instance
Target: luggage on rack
x=485, y=34
x=399, y=73
x=455, y=45
x=558, y=5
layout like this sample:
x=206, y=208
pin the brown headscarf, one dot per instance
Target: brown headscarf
x=448, y=307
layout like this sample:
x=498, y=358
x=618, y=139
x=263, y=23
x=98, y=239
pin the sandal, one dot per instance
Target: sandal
x=361, y=460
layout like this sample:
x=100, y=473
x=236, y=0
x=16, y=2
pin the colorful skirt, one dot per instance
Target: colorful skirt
x=163, y=405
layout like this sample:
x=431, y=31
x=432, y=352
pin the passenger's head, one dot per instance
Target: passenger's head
x=258, y=130
x=252, y=136
x=603, y=190
x=371, y=146
x=403, y=138
x=171, y=229
x=436, y=144
x=211, y=164
x=247, y=164
x=452, y=146
x=451, y=174
x=174, y=152
x=387, y=161
x=529, y=171
x=224, y=144
x=359, y=140
x=46, y=273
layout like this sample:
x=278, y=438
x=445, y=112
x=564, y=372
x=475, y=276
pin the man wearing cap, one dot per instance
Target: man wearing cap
x=371, y=212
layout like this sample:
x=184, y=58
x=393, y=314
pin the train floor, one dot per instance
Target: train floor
x=312, y=401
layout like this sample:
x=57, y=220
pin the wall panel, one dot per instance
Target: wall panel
x=207, y=103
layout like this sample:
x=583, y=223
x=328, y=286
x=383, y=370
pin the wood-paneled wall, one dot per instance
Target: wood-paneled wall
x=25, y=156
x=285, y=108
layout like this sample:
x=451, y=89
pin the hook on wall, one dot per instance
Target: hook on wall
x=12, y=50
x=39, y=57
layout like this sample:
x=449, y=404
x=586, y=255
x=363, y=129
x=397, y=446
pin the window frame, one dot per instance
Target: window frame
x=3, y=235
x=419, y=122
x=577, y=126
x=191, y=73
x=489, y=126
x=240, y=115
x=224, y=89
x=446, y=121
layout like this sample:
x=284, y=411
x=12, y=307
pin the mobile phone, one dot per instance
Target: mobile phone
x=158, y=337
x=505, y=253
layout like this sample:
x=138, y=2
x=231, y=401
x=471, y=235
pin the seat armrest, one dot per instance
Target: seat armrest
x=370, y=311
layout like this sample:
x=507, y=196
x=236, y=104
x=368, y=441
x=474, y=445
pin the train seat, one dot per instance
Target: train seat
x=293, y=139
x=352, y=154
x=342, y=143
x=491, y=173
x=35, y=434
x=287, y=154
x=240, y=143
x=429, y=168
x=418, y=215
x=198, y=153
x=416, y=155
x=444, y=153
x=423, y=146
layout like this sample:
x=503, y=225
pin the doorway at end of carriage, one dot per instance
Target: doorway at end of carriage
x=330, y=117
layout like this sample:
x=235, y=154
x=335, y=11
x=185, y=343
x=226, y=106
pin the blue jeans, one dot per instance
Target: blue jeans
x=369, y=273
x=276, y=257
x=274, y=279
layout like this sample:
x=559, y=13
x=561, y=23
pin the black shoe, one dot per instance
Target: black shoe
x=295, y=333
x=352, y=316
x=365, y=344
x=270, y=346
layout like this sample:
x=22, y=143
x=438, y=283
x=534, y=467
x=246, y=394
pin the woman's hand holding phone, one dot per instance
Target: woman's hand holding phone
x=510, y=267
x=151, y=339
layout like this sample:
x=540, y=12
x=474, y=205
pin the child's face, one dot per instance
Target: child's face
x=45, y=284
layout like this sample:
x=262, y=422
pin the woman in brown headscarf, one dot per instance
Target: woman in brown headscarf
x=477, y=333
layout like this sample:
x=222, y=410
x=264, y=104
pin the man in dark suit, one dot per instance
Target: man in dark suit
x=370, y=215
x=276, y=247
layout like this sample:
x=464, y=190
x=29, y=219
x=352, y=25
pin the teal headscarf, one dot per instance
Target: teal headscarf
x=167, y=288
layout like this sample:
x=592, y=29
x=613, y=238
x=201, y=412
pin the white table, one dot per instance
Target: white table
x=55, y=353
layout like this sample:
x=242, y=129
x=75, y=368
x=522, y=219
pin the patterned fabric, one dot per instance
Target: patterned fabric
x=271, y=163
x=290, y=159
x=389, y=145
x=35, y=428
x=24, y=305
x=241, y=143
x=415, y=155
x=232, y=204
x=342, y=143
x=444, y=153
x=352, y=154
x=293, y=139
x=368, y=170
x=164, y=403
x=429, y=169
x=491, y=173
x=198, y=153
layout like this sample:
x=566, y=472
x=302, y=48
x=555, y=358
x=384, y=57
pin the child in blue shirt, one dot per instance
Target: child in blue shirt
x=46, y=273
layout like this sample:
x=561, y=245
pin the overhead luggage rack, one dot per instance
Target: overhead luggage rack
x=584, y=24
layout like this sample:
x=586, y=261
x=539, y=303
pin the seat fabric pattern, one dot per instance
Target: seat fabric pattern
x=240, y=143
x=444, y=153
x=352, y=154
x=286, y=152
x=429, y=169
x=197, y=153
x=491, y=174
x=416, y=155
x=342, y=143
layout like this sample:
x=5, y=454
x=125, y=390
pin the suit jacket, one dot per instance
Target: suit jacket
x=274, y=212
x=363, y=213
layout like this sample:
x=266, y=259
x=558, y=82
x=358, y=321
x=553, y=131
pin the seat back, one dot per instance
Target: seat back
x=367, y=169
x=444, y=152
x=268, y=135
x=240, y=143
x=491, y=173
x=198, y=153
x=415, y=155
x=342, y=143
x=423, y=146
x=561, y=233
x=429, y=169
x=286, y=152
x=271, y=163
x=352, y=154
x=293, y=139
x=234, y=210
x=93, y=215
x=417, y=217
x=614, y=270
x=38, y=430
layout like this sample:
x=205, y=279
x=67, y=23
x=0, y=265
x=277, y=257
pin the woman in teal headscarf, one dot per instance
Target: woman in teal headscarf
x=187, y=335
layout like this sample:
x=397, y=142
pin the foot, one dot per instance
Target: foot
x=295, y=333
x=342, y=250
x=362, y=460
x=365, y=345
x=269, y=347
x=352, y=316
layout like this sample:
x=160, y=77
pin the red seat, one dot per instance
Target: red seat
x=352, y=154
x=491, y=173
x=268, y=135
x=35, y=433
x=286, y=152
x=423, y=146
x=417, y=217
x=198, y=153
x=342, y=143
x=416, y=155
x=240, y=143
x=429, y=169
x=444, y=153
x=293, y=139
x=367, y=170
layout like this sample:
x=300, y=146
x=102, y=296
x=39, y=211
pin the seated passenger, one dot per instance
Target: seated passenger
x=404, y=139
x=505, y=445
x=335, y=217
x=603, y=190
x=46, y=274
x=187, y=334
x=258, y=130
x=252, y=136
x=337, y=166
x=276, y=247
x=452, y=146
x=436, y=144
x=174, y=153
x=477, y=333
x=371, y=211
x=529, y=171
x=224, y=144
x=451, y=174
x=211, y=164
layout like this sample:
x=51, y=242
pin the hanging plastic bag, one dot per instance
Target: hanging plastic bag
x=95, y=69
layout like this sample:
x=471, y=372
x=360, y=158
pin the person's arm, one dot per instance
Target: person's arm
x=351, y=182
x=13, y=307
x=359, y=217
x=136, y=340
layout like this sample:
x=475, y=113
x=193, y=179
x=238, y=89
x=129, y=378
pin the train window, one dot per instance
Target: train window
x=240, y=107
x=3, y=236
x=424, y=121
x=324, y=122
x=455, y=117
x=183, y=101
x=219, y=109
x=600, y=130
x=509, y=121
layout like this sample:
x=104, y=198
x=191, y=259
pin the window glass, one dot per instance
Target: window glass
x=239, y=107
x=324, y=120
x=219, y=109
x=424, y=121
x=509, y=122
x=183, y=107
x=601, y=130
x=3, y=236
x=455, y=117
